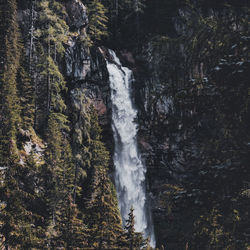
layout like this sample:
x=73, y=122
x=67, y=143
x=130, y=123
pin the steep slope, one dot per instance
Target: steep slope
x=190, y=61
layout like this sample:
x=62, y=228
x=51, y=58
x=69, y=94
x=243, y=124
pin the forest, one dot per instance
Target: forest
x=190, y=94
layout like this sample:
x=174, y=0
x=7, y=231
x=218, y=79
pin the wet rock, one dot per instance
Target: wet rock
x=77, y=59
x=164, y=105
x=88, y=72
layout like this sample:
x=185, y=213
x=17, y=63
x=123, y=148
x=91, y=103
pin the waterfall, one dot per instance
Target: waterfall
x=130, y=172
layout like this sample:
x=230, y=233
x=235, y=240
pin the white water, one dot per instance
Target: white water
x=130, y=172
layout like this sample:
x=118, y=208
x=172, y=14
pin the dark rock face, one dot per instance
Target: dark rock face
x=86, y=70
x=77, y=56
x=77, y=60
x=77, y=14
x=89, y=86
x=169, y=147
x=93, y=83
x=183, y=112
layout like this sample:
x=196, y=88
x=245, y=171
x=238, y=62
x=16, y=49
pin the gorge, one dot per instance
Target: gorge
x=109, y=105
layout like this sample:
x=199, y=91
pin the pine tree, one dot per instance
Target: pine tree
x=10, y=108
x=55, y=84
x=27, y=96
x=93, y=151
x=97, y=28
x=103, y=213
x=102, y=207
x=21, y=224
x=52, y=34
x=10, y=195
x=59, y=167
x=124, y=8
x=13, y=215
x=135, y=239
x=124, y=20
x=53, y=29
x=72, y=232
x=100, y=155
x=18, y=222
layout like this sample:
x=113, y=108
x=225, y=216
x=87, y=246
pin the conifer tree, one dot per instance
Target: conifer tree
x=20, y=221
x=97, y=20
x=72, y=232
x=10, y=195
x=53, y=29
x=27, y=96
x=13, y=213
x=135, y=239
x=9, y=103
x=59, y=167
x=52, y=34
x=100, y=155
x=54, y=85
x=125, y=8
x=103, y=213
x=94, y=152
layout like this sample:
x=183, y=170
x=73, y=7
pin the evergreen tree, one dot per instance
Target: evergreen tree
x=124, y=8
x=53, y=88
x=18, y=221
x=93, y=152
x=59, y=167
x=52, y=34
x=99, y=154
x=53, y=30
x=27, y=96
x=124, y=21
x=9, y=109
x=9, y=120
x=73, y=233
x=135, y=239
x=21, y=222
x=102, y=207
x=103, y=213
x=97, y=28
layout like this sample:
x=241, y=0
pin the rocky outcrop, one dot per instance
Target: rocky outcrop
x=77, y=14
x=86, y=70
x=32, y=145
x=77, y=60
x=77, y=56
x=92, y=82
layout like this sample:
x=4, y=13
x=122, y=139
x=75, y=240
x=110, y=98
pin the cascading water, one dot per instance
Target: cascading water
x=130, y=172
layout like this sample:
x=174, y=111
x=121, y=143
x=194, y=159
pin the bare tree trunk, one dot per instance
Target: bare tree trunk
x=48, y=79
x=31, y=36
x=32, y=67
x=76, y=162
x=55, y=52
